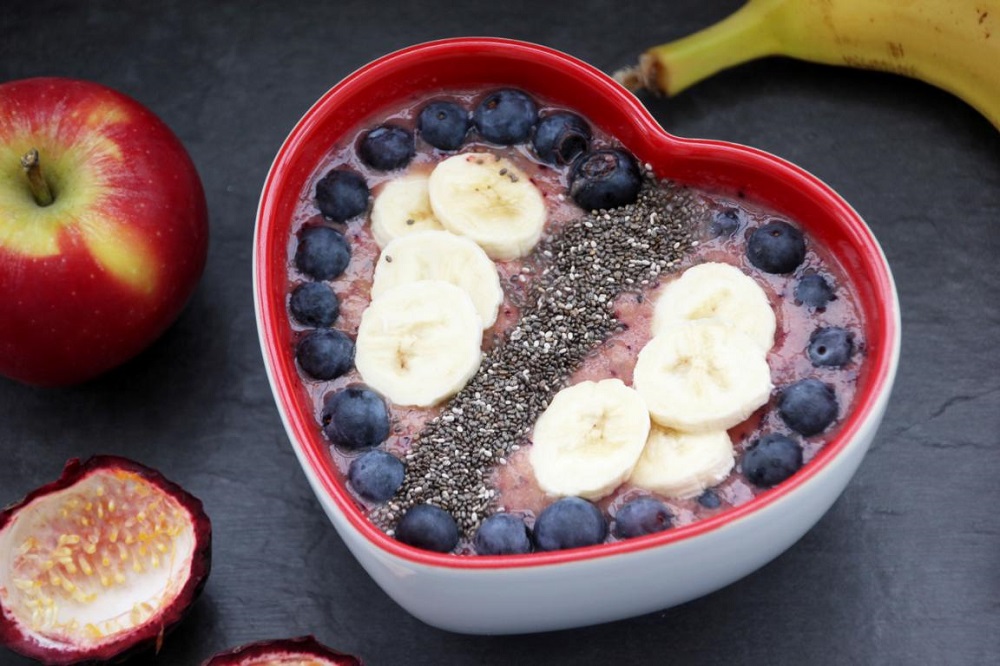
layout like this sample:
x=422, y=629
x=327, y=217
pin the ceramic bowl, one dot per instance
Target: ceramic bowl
x=554, y=590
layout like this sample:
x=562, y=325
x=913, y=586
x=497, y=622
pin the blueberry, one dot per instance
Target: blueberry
x=443, y=125
x=724, y=223
x=709, y=499
x=322, y=253
x=505, y=117
x=831, y=347
x=643, y=515
x=429, y=527
x=560, y=137
x=387, y=147
x=776, y=247
x=314, y=304
x=376, y=475
x=814, y=291
x=325, y=353
x=355, y=418
x=808, y=406
x=605, y=179
x=570, y=522
x=341, y=194
x=502, y=534
x=772, y=459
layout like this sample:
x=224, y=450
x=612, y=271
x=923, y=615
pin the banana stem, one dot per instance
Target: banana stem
x=40, y=189
x=745, y=35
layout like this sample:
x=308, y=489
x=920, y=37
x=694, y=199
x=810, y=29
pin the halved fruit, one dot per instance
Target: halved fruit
x=302, y=651
x=103, y=561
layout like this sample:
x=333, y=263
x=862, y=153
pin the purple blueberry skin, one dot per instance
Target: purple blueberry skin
x=428, y=527
x=502, y=534
x=776, y=247
x=831, y=347
x=505, y=117
x=325, y=354
x=641, y=516
x=560, y=137
x=322, y=252
x=387, y=148
x=355, y=418
x=444, y=125
x=808, y=406
x=342, y=194
x=605, y=179
x=376, y=475
x=314, y=304
x=571, y=522
x=772, y=459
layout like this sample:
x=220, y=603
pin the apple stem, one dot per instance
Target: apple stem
x=40, y=189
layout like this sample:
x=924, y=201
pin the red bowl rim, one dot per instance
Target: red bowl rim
x=882, y=363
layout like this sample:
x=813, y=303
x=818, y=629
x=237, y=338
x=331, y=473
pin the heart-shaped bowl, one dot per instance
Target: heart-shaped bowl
x=559, y=589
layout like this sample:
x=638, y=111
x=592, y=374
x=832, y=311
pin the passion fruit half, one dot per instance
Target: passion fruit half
x=302, y=651
x=100, y=563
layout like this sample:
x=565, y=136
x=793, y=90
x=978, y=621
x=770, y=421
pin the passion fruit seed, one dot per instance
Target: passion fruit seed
x=101, y=560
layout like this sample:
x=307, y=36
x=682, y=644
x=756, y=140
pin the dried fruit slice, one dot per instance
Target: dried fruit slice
x=302, y=651
x=103, y=561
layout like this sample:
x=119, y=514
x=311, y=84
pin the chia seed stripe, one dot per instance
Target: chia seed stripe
x=569, y=312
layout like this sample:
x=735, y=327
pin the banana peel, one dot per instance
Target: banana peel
x=951, y=44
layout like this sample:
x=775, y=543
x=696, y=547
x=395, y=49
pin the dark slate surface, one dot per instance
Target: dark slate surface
x=905, y=568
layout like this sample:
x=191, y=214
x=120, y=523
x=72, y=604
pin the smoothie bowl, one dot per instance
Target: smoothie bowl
x=532, y=351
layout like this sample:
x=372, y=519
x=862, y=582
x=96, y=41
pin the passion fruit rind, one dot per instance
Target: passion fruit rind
x=100, y=563
x=264, y=653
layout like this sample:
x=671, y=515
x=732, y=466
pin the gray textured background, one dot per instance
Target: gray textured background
x=904, y=569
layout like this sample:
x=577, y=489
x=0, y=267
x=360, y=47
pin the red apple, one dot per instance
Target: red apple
x=102, y=238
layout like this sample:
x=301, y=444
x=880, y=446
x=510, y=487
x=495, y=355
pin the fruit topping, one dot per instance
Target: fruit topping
x=387, y=147
x=302, y=651
x=808, y=406
x=401, y=207
x=772, y=459
x=589, y=438
x=814, y=291
x=571, y=522
x=682, y=464
x=342, y=194
x=776, y=247
x=720, y=291
x=502, y=534
x=702, y=375
x=831, y=347
x=560, y=137
x=355, y=418
x=322, y=253
x=443, y=125
x=99, y=563
x=325, y=353
x=709, y=499
x=429, y=527
x=376, y=475
x=419, y=342
x=605, y=179
x=314, y=304
x=487, y=198
x=724, y=223
x=505, y=117
x=441, y=255
x=641, y=516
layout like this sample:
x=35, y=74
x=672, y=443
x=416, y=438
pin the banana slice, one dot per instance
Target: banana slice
x=721, y=291
x=402, y=207
x=702, y=375
x=488, y=199
x=419, y=343
x=441, y=255
x=589, y=438
x=683, y=464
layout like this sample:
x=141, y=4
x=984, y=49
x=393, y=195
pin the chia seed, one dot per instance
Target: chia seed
x=568, y=312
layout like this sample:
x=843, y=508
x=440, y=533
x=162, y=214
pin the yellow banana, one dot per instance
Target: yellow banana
x=952, y=44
